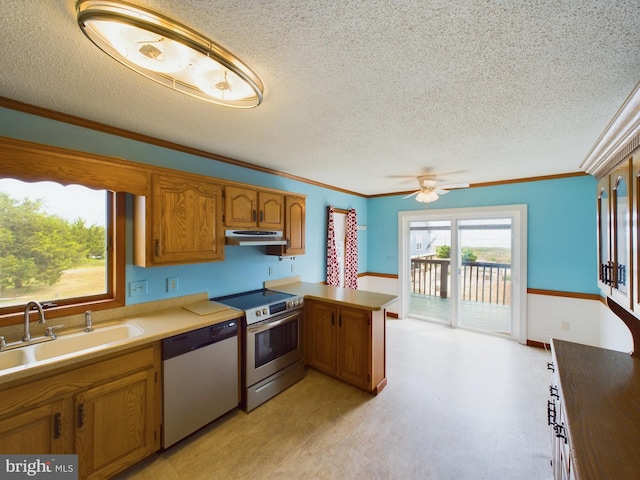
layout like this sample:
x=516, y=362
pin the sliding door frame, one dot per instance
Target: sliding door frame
x=518, y=214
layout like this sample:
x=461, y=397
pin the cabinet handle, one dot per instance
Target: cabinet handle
x=620, y=275
x=81, y=415
x=157, y=248
x=57, y=425
x=551, y=413
x=261, y=215
x=560, y=432
x=333, y=318
x=254, y=215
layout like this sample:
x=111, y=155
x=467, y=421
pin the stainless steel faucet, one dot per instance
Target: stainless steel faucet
x=88, y=321
x=26, y=337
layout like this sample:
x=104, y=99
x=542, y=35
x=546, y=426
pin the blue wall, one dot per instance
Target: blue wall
x=561, y=240
x=244, y=268
x=561, y=229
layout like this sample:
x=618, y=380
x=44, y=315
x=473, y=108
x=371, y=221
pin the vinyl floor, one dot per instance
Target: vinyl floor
x=459, y=405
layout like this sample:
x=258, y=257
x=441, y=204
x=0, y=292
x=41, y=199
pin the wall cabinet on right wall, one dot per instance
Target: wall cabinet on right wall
x=617, y=210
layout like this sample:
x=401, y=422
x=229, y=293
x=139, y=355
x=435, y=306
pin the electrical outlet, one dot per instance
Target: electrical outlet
x=293, y=267
x=137, y=288
x=564, y=326
x=270, y=271
x=172, y=284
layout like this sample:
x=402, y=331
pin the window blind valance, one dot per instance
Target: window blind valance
x=34, y=162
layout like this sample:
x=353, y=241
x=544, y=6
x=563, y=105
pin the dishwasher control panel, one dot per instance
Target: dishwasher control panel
x=188, y=341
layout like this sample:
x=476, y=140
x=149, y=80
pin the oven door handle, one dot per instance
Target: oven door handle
x=268, y=325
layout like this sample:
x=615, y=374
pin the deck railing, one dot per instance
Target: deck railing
x=486, y=282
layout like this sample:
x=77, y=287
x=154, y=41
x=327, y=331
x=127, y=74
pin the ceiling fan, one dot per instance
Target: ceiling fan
x=430, y=189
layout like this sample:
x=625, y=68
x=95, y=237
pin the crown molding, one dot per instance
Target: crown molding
x=619, y=138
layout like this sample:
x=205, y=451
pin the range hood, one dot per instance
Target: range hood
x=254, y=237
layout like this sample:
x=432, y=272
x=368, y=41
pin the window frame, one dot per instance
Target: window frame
x=33, y=162
x=115, y=268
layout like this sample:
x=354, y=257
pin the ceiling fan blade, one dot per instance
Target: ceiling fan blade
x=440, y=191
x=454, y=185
x=411, y=194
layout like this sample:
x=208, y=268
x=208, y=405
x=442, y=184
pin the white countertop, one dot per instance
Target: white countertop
x=155, y=325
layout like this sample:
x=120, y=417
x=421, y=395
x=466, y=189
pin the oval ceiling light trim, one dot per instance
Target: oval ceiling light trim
x=169, y=53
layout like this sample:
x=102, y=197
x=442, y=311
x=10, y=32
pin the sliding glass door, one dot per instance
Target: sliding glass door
x=430, y=244
x=484, y=274
x=465, y=268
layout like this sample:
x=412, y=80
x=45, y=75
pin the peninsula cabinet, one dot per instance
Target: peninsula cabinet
x=294, y=228
x=181, y=222
x=249, y=208
x=347, y=343
x=107, y=412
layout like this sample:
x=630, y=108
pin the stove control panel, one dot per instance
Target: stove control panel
x=266, y=312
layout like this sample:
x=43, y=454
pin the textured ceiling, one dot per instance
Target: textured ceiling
x=359, y=94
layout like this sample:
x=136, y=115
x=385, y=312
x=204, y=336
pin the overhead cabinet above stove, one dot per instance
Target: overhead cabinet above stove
x=249, y=208
x=182, y=218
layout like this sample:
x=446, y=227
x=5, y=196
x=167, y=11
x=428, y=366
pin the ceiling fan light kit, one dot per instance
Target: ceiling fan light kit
x=427, y=196
x=430, y=190
x=169, y=53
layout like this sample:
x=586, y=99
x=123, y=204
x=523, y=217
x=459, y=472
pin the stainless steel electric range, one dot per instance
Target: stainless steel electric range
x=272, y=346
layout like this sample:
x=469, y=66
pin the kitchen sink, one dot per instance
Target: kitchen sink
x=77, y=342
x=15, y=358
x=67, y=344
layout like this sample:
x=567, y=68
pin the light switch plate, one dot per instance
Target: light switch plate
x=139, y=287
x=172, y=284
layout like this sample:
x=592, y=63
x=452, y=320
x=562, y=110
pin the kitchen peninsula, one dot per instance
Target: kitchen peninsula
x=345, y=335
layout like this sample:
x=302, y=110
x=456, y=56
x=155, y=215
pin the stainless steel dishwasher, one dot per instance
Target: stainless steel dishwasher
x=200, y=372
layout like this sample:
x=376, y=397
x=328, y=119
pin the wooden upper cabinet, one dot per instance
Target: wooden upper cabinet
x=605, y=258
x=621, y=240
x=180, y=223
x=249, y=208
x=294, y=228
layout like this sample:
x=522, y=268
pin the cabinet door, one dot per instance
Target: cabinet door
x=240, y=207
x=605, y=263
x=271, y=210
x=187, y=220
x=354, y=346
x=113, y=424
x=621, y=209
x=295, y=225
x=39, y=430
x=294, y=228
x=321, y=336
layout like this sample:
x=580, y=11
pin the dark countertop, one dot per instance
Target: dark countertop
x=600, y=390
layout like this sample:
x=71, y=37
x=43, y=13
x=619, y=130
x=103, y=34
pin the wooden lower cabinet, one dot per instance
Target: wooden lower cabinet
x=347, y=343
x=107, y=412
x=37, y=430
x=112, y=424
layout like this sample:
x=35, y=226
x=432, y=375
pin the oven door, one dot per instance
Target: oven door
x=273, y=345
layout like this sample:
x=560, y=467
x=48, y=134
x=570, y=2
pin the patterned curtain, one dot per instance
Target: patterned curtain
x=333, y=269
x=351, y=254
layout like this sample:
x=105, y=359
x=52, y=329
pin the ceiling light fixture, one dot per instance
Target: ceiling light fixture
x=169, y=53
x=427, y=196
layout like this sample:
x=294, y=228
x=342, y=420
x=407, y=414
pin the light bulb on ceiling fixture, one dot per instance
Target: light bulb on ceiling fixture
x=427, y=196
x=169, y=53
